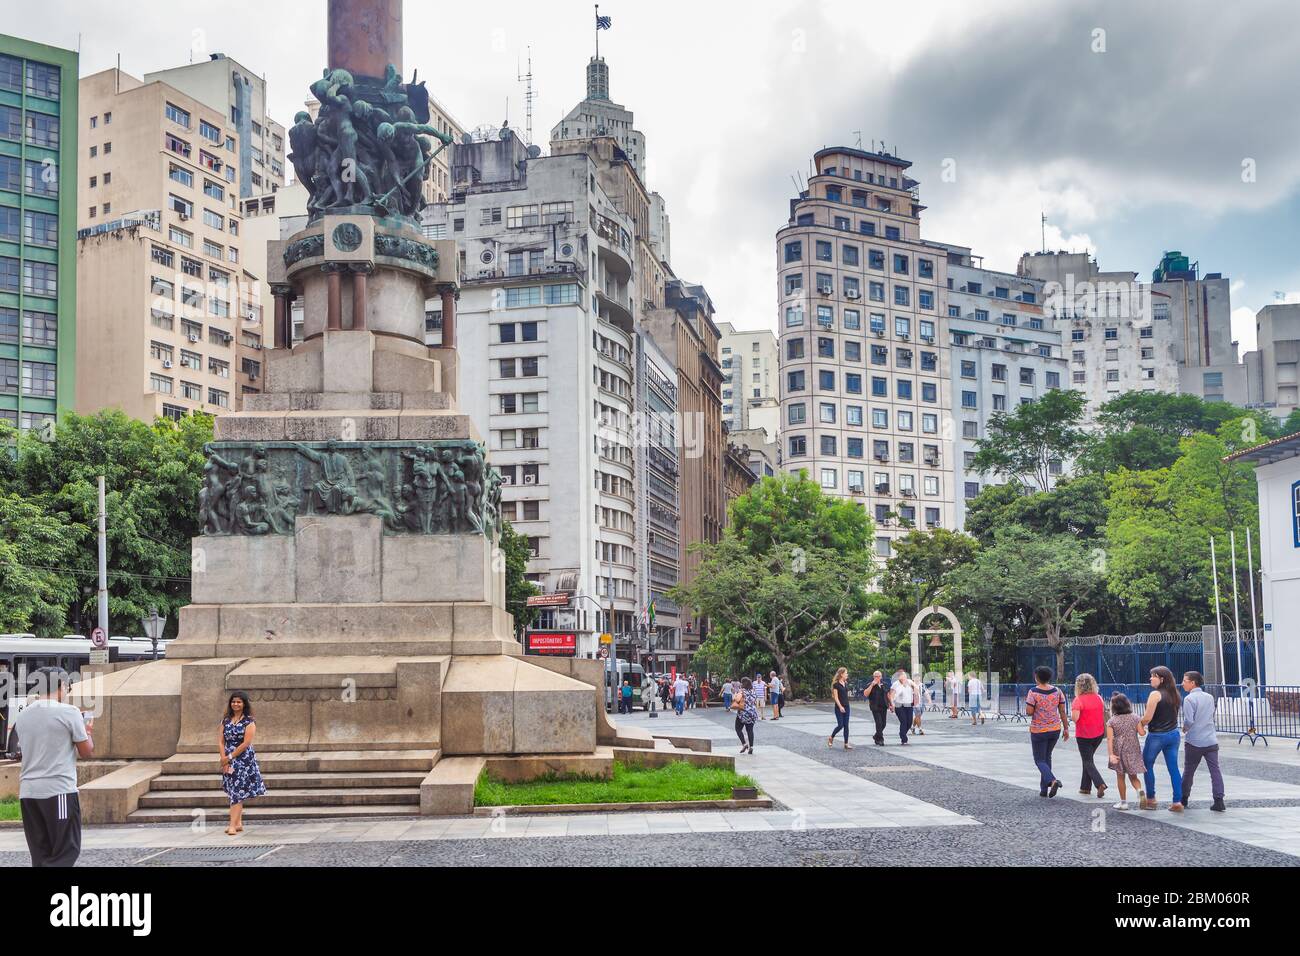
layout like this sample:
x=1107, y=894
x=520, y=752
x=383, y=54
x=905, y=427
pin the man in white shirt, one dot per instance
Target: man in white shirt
x=52, y=735
x=974, y=698
x=776, y=688
x=680, y=689
x=902, y=699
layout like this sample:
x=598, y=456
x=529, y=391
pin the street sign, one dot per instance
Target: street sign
x=551, y=643
x=99, y=656
x=607, y=638
x=548, y=600
x=98, y=638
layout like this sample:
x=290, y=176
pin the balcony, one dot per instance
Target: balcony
x=614, y=311
x=614, y=244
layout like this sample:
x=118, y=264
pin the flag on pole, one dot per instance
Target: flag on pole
x=652, y=612
x=603, y=23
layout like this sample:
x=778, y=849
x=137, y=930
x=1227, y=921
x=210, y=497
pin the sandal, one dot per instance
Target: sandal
x=847, y=745
x=230, y=832
x=830, y=742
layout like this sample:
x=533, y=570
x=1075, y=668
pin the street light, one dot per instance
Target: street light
x=153, y=627
x=988, y=650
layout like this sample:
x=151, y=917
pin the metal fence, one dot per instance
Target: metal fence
x=1252, y=712
x=1128, y=658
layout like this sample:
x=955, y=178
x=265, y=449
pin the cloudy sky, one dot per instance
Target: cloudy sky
x=1135, y=127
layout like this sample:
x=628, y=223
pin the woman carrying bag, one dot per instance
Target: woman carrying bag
x=746, y=713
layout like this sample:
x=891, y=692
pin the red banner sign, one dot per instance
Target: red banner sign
x=559, y=643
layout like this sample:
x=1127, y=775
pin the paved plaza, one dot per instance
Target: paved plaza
x=958, y=795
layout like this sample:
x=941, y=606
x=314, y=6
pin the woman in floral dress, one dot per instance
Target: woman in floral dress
x=240, y=776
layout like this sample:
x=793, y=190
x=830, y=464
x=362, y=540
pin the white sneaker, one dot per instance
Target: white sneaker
x=1121, y=805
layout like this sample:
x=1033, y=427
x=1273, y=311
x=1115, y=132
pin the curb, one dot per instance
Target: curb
x=762, y=803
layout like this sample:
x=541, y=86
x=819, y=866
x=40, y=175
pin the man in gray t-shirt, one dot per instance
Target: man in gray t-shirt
x=51, y=735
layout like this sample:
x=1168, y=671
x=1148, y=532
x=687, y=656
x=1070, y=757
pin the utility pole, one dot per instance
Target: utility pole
x=103, y=562
x=527, y=79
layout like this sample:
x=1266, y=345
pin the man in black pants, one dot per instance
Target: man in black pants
x=877, y=695
x=52, y=735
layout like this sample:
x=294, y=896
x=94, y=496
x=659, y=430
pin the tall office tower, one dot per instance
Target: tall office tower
x=38, y=222
x=597, y=115
x=1170, y=335
x=865, y=360
x=659, y=504
x=685, y=331
x=750, y=372
x=545, y=347
x=1004, y=353
x=169, y=314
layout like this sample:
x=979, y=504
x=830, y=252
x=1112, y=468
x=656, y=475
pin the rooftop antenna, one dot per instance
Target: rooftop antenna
x=858, y=134
x=1043, y=229
x=527, y=79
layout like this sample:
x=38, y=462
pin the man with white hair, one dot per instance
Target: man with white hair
x=902, y=701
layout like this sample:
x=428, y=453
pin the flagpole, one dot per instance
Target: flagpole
x=1218, y=615
x=1236, y=614
x=598, y=31
x=1254, y=622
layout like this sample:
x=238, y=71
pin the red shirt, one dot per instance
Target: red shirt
x=1091, y=722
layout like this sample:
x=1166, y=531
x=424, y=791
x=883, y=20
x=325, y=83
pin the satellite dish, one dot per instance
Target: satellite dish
x=534, y=151
x=467, y=139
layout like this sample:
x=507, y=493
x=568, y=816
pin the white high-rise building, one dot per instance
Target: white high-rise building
x=597, y=115
x=865, y=360
x=751, y=371
x=546, y=355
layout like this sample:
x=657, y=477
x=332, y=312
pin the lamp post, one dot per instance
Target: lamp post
x=988, y=650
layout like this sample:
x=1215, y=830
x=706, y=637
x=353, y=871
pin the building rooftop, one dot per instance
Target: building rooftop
x=862, y=154
x=1279, y=449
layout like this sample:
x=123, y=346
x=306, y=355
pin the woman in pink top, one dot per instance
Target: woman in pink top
x=1089, y=716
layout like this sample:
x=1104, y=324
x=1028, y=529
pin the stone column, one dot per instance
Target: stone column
x=334, y=300
x=281, y=331
x=359, y=304
x=365, y=36
x=448, y=317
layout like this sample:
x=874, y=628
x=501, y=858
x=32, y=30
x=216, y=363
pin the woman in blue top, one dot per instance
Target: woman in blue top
x=240, y=776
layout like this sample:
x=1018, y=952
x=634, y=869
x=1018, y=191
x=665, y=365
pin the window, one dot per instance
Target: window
x=794, y=251
x=793, y=283
x=902, y=326
x=829, y=476
x=565, y=293
x=793, y=316
x=8, y=274
x=930, y=423
x=797, y=414
x=794, y=349
x=849, y=255
x=825, y=347
x=10, y=122
x=795, y=381
x=855, y=447
x=972, y=489
x=213, y=190
x=853, y=383
x=210, y=132
x=968, y=400
x=1052, y=379
x=853, y=415
x=904, y=357
x=876, y=291
x=879, y=418
x=1026, y=376
x=825, y=251
x=1112, y=334
x=798, y=446
x=827, y=445
x=523, y=296
x=925, y=300
x=43, y=130
x=825, y=316
x=11, y=73
x=825, y=381
x=40, y=278
x=879, y=386
x=8, y=326
x=929, y=392
x=160, y=383
x=219, y=398
x=177, y=115
x=853, y=351
x=900, y=265
x=214, y=220
x=852, y=319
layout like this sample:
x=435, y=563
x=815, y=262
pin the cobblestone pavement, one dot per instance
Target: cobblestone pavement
x=957, y=795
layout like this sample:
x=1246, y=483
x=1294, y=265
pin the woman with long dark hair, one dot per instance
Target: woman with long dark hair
x=743, y=702
x=241, y=778
x=1161, y=722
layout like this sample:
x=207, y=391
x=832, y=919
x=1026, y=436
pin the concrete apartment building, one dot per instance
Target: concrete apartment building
x=1170, y=335
x=170, y=311
x=760, y=449
x=751, y=370
x=685, y=331
x=1005, y=353
x=38, y=221
x=865, y=359
x=1271, y=369
x=546, y=350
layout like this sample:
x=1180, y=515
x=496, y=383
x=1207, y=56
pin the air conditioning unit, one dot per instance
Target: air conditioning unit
x=825, y=292
x=880, y=333
x=507, y=480
x=882, y=489
x=882, y=457
x=932, y=462
x=257, y=346
x=194, y=338
x=530, y=479
x=167, y=363
x=853, y=295
x=928, y=338
x=907, y=492
x=904, y=336
x=252, y=376
x=857, y=491
x=183, y=217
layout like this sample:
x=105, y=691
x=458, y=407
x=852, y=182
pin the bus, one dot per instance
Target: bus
x=21, y=655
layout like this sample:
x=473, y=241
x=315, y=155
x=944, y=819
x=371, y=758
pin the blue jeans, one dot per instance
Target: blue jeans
x=974, y=705
x=841, y=720
x=679, y=704
x=1043, y=744
x=1167, y=744
x=726, y=701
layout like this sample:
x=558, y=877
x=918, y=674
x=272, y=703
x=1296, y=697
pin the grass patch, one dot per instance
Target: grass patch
x=676, y=781
x=9, y=809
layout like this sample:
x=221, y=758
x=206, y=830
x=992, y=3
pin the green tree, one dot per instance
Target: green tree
x=1050, y=576
x=35, y=597
x=514, y=548
x=1022, y=445
x=788, y=576
x=1075, y=506
x=1141, y=431
x=918, y=573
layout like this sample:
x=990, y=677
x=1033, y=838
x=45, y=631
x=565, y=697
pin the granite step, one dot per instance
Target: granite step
x=300, y=798
x=294, y=781
x=185, y=815
x=313, y=761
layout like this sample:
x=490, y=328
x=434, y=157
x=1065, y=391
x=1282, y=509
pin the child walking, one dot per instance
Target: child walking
x=1122, y=733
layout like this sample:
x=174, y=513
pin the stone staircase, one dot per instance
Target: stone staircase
x=359, y=784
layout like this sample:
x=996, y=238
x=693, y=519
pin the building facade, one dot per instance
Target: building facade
x=545, y=343
x=38, y=226
x=865, y=382
x=751, y=370
x=598, y=116
x=1005, y=353
x=169, y=315
x=1273, y=368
